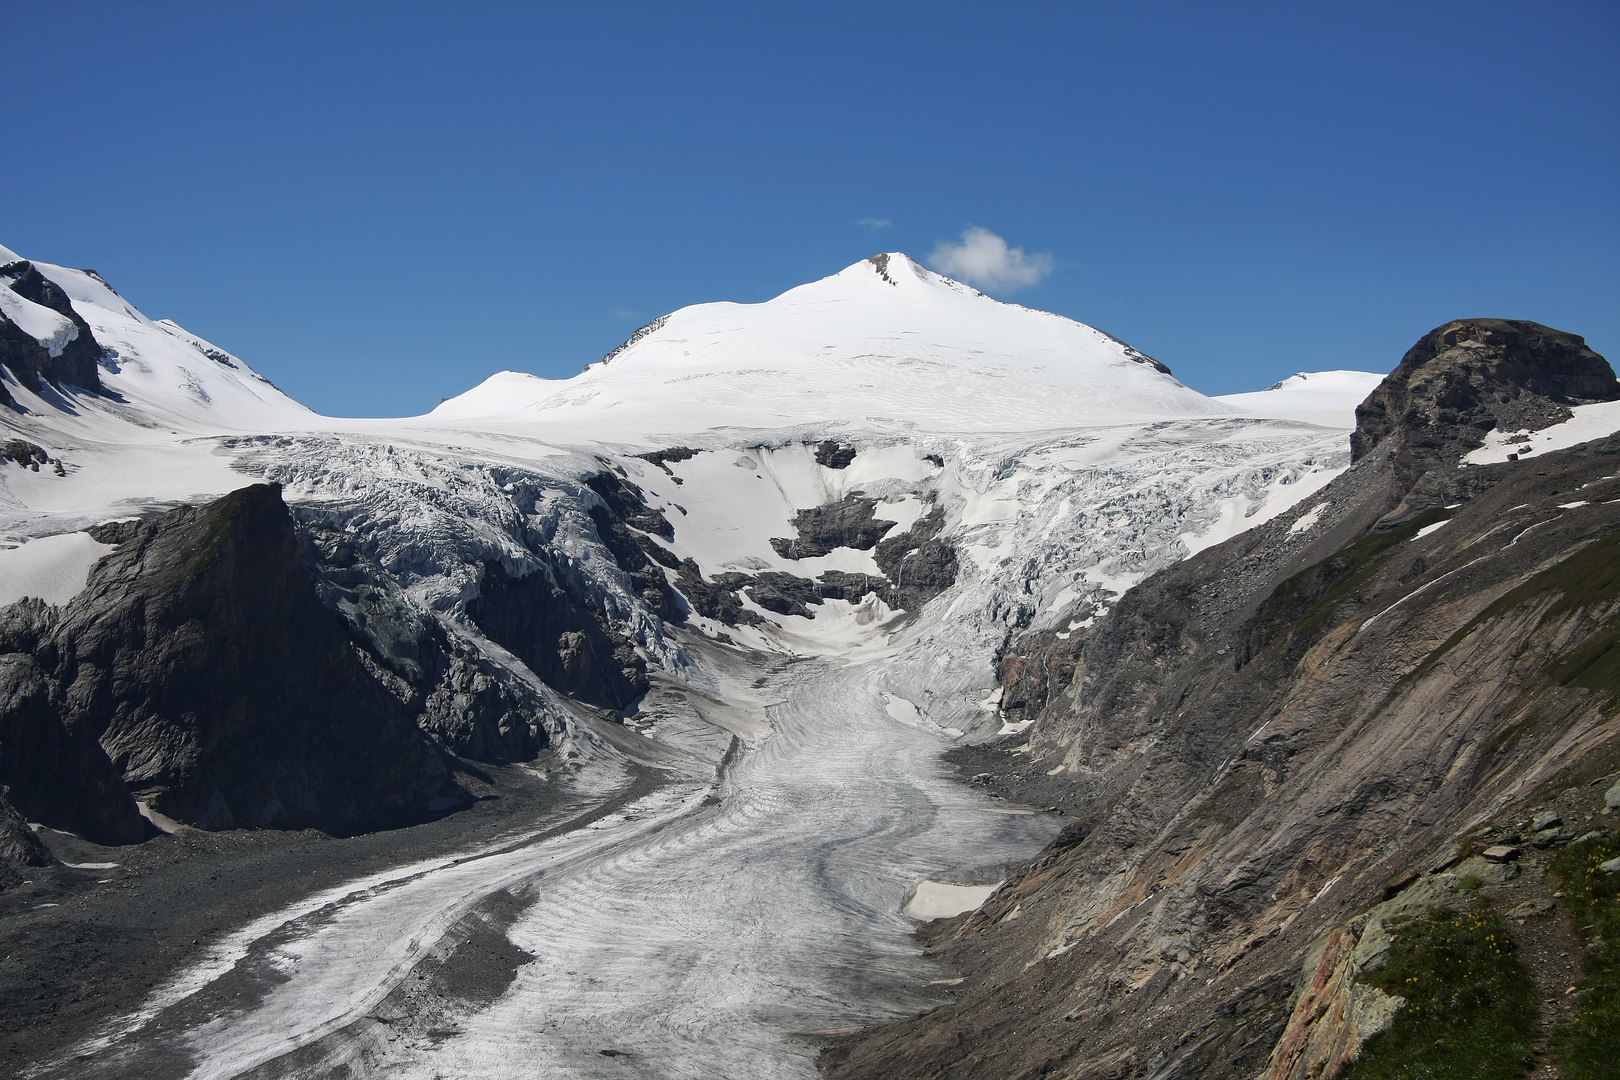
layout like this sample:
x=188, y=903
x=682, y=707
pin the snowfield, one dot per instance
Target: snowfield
x=693, y=938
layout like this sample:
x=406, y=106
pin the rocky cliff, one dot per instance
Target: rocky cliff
x=75, y=363
x=225, y=694
x=1260, y=745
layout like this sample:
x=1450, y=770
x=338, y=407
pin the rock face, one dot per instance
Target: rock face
x=557, y=638
x=20, y=849
x=1470, y=376
x=917, y=564
x=30, y=363
x=52, y=772
x=850, y=522
x=459, y=698
x=201, y=659
x=834, y=454
x=1258, y=742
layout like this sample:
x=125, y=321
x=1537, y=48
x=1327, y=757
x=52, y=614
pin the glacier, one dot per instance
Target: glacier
x=753, y=890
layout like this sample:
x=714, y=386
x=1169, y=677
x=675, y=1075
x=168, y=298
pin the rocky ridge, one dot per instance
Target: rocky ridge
x=73, y=362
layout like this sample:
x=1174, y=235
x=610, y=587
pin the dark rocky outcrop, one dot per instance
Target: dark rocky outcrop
x=650, y=328
x=842, y=585
x=20, y=849
x=29, y=455
x=622, y=520
x=640, y=557
x=715, y=599
x=850, y=522
x=225, y=693
x=52, y=772
x=629, y=504
x=469, y=707
x=567, y=645
x=1260, y=744
x=662, y=458
x=785, y=594
x=78, y=364
x=1470, y=376
x=834, y=454
x=919, y=562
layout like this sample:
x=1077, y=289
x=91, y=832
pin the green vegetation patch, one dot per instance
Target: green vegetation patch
x=1471, y=1010
x=1590, y=1045
x=1301, y=606
x=1595, y=665
x=1589, y=577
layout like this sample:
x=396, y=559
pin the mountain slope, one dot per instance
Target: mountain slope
x=1265, y=741
x=136, y=370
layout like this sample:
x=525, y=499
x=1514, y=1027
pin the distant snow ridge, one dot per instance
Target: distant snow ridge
x=1323, y=397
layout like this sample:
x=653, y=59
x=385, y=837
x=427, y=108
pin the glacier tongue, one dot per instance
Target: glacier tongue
x=1058, y=465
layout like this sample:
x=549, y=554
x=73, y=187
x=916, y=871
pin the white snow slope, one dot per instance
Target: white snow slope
x=1066, y=465
x=1322, y=397
x=892, y=347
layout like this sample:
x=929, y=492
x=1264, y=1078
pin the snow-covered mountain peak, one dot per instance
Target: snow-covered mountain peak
x=152, y=372
x=882, y=343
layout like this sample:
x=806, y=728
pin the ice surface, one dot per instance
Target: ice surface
x=52, y=568
x=937, y=900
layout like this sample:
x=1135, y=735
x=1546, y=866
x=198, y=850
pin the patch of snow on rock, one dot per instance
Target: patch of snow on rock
x=1589, y=422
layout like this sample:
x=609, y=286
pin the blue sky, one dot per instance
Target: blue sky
x=378, y=205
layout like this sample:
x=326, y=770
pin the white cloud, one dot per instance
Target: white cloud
x=984, y=259
x=875, y=222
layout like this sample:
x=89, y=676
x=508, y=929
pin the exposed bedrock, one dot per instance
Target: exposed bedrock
x=202, y=660
x=917, y=564
x=1262, y=743
x=717, y=599
x=851, y=522
x=1470, y=376
x=469, y=706
x=20, y=849
x=78, y=363
x=834, y=454
x=628, y=503
x=560, y=640
x=623, y=523
x=785, y=594
x=51, y=772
